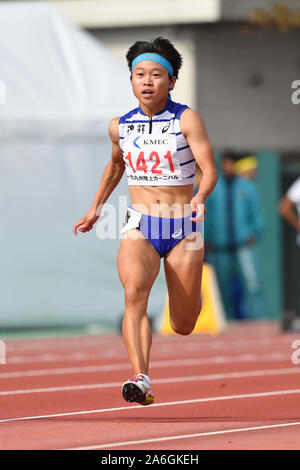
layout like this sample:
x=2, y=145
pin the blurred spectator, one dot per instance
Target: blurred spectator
x=233, y=225
x=246, y=167
x=288, y=205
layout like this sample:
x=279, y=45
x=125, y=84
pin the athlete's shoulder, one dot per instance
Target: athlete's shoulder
x=190, y=113
x=126, y=117
x=176, y=108
x=113, y=129
x=191, y=120
x=183, y=111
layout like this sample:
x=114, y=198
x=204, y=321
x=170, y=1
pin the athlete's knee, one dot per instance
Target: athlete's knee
x=135, y=293
x=183, y=327
x=183, y=330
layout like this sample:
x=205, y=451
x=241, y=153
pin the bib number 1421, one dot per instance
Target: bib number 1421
x=141, y=164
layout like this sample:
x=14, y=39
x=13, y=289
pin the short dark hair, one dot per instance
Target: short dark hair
x=159, y=46
x=229, y=155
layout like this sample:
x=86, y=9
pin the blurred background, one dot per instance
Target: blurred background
x=63, y=77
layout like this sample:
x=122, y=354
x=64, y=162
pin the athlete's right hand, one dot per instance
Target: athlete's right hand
x=86, y=223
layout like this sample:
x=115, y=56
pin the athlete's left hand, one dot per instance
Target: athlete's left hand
x=198, y=206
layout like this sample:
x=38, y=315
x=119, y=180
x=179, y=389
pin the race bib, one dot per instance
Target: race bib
x=151, y=158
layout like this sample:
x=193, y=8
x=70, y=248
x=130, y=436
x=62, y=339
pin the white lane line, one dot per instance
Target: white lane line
x=78, y=356
x=197, y=378
x=157, y=352
x=61, y=343
x=184, y=436
x=85, y=342
x=154, y=364
x=156, y=405
x=88, y=341
x=167, y=344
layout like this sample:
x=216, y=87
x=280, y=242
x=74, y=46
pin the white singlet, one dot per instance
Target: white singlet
x=155, y=151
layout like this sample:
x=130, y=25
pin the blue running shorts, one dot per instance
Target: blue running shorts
x=164, y=233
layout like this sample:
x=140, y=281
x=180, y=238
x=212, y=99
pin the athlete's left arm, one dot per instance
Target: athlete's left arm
x=194, y=130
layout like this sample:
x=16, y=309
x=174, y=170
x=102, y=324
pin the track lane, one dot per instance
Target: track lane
x=140, y=423
x=210, y=414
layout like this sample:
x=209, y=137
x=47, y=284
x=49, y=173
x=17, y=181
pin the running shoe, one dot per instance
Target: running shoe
x=138, y=390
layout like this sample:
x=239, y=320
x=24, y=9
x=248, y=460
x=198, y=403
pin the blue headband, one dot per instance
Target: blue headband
x=155, y=58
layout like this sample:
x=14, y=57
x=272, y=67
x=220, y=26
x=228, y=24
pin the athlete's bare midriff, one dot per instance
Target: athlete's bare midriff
x=162, y=201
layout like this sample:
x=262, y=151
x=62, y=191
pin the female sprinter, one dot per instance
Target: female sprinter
x=159, y=144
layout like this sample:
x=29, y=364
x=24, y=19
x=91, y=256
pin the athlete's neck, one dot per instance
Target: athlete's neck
x=152, y=110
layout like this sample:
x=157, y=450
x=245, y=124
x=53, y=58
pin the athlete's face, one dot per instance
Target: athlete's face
x=151, y=83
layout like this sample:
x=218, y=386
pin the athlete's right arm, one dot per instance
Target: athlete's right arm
x=110, y=179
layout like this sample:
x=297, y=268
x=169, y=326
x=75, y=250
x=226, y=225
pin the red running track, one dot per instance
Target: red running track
x=237, y=390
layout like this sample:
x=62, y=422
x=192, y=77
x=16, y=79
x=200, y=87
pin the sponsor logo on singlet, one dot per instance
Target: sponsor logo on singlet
x=177, y=233
x=155, y=142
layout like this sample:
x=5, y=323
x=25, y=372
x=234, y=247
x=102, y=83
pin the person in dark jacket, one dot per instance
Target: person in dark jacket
x=233, y=225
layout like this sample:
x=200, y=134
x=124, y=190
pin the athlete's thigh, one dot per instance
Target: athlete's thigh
x=183, y=270
x=138, y=261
